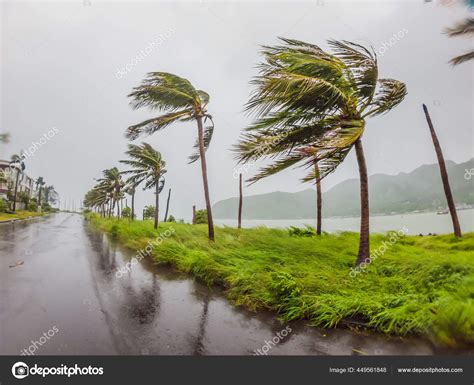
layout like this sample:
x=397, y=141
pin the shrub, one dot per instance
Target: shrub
x=308, y=231
x=126, y=212
x=3, y=205
x=33, y=206
x=171, y=219
x=148, y=212
x=201, y=216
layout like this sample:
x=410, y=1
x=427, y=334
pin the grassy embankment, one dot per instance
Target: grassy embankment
x=421, y=285
x=20, y=214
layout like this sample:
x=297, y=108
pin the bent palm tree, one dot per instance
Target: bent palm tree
x=112, y=183
x=146, y=166
x=464, y=28
x=444, y=175
x=311, y=101
x=183, y=103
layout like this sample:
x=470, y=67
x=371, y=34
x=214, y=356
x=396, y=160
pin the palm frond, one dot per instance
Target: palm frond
x=390, y=93
x=150, y=126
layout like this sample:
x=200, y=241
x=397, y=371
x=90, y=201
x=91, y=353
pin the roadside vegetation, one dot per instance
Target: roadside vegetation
x=19, y=214
x=419, y=285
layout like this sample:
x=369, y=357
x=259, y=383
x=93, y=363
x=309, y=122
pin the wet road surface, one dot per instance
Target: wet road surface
x=67, y=299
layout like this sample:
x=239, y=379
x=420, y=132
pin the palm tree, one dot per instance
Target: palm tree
x=167, y=205
x=112, y=183
x=181, y=102
x=146, y=166
x=97, y=198
x=464, y=28
x=39, y=186
x=313, y=101
x=50, y=195
x=444, y=176
x=239, y=214
x=130, y=189
x=18, y=165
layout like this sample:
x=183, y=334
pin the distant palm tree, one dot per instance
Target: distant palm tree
x=130, y=189
x=464, y=28
x=310, y=99
x=39, y=186
x=146, y=166
x=112, y=184
x=97, y=198
x=50, y=195
x=18, y=165
x=444, y=176
x=182, y=103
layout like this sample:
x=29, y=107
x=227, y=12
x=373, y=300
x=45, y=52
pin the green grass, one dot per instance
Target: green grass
x=20, y=214
x=420, y=285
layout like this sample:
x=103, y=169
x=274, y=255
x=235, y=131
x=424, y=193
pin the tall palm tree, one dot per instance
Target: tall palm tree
x=444, y=175
x=146, y=166
x=181, y=102
x=464, y=28
x=318, y=101
x=18, y=165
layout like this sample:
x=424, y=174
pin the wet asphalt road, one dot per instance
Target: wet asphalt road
x=66, y=299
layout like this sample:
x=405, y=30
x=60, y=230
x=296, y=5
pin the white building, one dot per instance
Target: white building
x=25, y=183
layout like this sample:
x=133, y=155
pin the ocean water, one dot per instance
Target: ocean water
x=416, y=223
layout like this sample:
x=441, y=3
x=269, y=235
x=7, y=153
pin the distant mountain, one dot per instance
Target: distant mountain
x=420, y=190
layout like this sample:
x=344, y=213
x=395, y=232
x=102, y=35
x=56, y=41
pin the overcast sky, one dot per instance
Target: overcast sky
x=60, y=63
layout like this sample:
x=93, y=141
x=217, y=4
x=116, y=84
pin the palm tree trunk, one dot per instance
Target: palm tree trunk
x=39, y=199
x=16, y=190
x=132, y=215
x=444, y=176
x=364, y=242
x=194, y=215
x=202, y=153
x=239, y=225
x=157, y=202
x=319, y=198
x=167, y=205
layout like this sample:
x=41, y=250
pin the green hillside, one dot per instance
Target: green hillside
x=420, y=189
